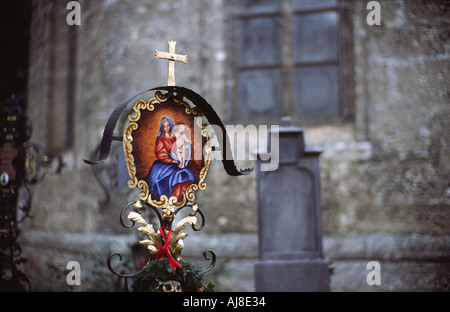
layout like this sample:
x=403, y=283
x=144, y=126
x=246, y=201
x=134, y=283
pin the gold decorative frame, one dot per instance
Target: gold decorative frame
x=163, y=201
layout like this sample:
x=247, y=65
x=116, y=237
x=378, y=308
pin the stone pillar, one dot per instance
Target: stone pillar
x=289, y=215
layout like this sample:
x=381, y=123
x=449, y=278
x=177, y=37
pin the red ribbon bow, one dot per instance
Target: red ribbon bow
x=165, y=249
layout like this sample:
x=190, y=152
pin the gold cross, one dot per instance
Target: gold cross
x=172, y=57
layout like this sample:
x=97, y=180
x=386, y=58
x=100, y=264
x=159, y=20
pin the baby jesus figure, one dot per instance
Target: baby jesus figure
x=181, y=143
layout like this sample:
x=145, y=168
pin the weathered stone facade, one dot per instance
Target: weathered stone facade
x=384, y=172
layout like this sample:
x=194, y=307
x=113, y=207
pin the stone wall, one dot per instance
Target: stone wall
x=395, y=176
x=384, y=173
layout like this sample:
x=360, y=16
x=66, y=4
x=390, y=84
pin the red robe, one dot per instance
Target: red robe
x=164, y=148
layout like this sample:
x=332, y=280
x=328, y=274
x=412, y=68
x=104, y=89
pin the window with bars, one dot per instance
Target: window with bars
x=287, y=60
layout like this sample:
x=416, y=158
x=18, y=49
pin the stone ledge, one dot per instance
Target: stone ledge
x=232, y=245
x=389, y=247
x=392, y=247
x=398, y=247
x=351, y=275
x=74, y=242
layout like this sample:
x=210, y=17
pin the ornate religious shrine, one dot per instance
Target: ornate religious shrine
x=21, y=163
x=167, y=148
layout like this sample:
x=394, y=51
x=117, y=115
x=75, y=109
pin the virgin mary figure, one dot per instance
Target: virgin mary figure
x=166, y=176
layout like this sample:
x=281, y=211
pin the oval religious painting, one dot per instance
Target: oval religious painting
x=167, y=150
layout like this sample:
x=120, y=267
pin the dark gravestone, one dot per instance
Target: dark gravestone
x=290, y=234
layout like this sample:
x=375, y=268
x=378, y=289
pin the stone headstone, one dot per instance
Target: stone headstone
x=290, y=233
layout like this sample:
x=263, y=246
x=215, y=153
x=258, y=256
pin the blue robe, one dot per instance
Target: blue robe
x=163, y=176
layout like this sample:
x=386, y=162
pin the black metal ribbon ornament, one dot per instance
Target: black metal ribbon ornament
x=196, y=99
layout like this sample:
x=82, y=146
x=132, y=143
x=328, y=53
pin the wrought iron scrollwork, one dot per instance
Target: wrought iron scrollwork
x=38, y=163
x=122, y=213
x=213, y=259
x=165, y=219
x=114, y=271
x=124, y=276
x=112, y=176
